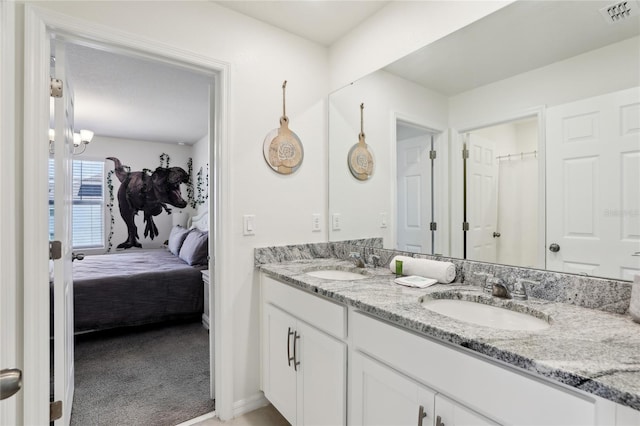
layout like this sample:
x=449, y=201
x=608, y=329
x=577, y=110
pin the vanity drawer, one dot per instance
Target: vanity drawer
x=499, y=392
x=323, y=314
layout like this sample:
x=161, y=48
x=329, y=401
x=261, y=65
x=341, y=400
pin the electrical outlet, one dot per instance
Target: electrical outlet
x=383, y=220
x=316, y=224
x=336, y=221
x=248, y=224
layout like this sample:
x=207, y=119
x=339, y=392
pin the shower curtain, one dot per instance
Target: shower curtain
x=518, y=211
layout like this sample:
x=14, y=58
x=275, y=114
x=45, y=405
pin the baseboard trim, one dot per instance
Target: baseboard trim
x=199, y=419
x=249, y=404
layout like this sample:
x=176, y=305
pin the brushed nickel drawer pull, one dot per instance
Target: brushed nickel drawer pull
x=289, y=357
x=421, y=415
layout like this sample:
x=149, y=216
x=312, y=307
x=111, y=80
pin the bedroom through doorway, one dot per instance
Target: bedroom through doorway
x=139, y=191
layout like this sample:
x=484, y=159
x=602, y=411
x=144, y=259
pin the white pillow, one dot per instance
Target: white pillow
x=176, y=239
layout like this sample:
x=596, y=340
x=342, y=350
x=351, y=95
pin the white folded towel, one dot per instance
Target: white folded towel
x=415, y=281
x=444, y=272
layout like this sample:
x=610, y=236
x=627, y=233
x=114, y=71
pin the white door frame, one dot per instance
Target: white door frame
x=455, y=167
x=441, y=196
x=39, y=24
x=10, y=300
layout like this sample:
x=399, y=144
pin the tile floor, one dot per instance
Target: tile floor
x=265, y=416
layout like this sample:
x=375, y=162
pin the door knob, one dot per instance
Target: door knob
x=77, y=256
x=554, y=248
x=10, y=382
x=496, y=235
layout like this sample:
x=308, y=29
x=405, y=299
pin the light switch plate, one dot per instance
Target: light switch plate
x=383, y=220
x=336, y=221
x=249, y=224
x=316, y=222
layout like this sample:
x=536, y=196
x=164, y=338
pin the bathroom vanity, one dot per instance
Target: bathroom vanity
x=366, y=351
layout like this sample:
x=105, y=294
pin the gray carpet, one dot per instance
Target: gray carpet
x=153, y=376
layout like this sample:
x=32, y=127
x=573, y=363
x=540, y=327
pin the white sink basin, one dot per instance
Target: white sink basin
x=336, y=275
x=485, y=315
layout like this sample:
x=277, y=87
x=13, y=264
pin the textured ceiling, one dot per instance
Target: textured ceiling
x=133, y=98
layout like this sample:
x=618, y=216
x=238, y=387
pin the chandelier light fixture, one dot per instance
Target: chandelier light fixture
x=80, y=140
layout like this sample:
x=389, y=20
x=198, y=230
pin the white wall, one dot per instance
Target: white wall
x=385, y=97
x=397, y=30
x=137, y=155
x=200, y=154
x=260, y=58
x=608, y=69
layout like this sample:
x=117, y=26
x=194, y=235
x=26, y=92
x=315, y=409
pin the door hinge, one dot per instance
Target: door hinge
x=55, y=411
x=465, y=226
x=432, y=154
x=433, y=226
x=55, y=250
x=465, y=153
x=55, y=87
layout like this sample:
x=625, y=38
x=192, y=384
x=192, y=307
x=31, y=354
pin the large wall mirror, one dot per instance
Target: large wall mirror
x=515, y=140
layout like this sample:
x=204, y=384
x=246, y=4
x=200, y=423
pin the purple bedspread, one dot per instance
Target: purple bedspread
x=134, y=288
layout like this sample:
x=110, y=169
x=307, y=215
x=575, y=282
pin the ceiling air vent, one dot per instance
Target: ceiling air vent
x=620, y=11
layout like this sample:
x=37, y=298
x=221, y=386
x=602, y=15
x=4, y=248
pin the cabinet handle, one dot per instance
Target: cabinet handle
x=296, y=363
x=289, y=357
x=421, y=415
x=439, y=421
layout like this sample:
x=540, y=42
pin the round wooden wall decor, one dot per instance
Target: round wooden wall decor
x=282, y=148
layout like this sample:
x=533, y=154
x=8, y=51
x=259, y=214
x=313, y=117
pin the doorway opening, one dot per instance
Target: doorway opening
x=165, y=317
x=417, y=196
x=502, y=201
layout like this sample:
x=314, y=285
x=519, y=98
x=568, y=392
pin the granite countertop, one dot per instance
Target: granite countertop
x=595, y=351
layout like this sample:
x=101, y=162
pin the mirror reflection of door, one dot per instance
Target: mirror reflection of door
x=414, y=188
x=593, y=151
x=503, y=194
x=482, y=199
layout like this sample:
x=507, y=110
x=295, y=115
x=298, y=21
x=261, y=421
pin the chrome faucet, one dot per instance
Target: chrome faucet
x=356, y=258
x=520, y=289
x=499, y=288
x=374, y=260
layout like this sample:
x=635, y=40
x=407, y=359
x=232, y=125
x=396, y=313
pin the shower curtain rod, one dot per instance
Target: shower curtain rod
x=515, y=156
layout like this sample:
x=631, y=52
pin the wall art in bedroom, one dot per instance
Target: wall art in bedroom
x=149, y=192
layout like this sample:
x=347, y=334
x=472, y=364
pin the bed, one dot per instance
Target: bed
x=142, y=286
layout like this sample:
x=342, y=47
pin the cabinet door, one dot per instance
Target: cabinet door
x=279, y=374
x=321, y=378
x=382, y=396
x=453, y=414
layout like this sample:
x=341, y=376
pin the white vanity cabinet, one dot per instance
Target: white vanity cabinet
x=450, y=413
x=304, y=360
x=382, y=396
x=469, y=389
x=399, y=377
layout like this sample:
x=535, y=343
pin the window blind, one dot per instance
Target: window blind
x=88, y=203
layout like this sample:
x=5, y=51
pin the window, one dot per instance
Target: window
x=88, y=203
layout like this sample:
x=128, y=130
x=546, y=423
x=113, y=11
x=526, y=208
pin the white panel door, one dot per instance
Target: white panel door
x=279, y=375
x=451, y=413
x=414, y=194
x=482, y=199
x=322, y=381
x=593, y=185
x=63, y=365
x=383, y=397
